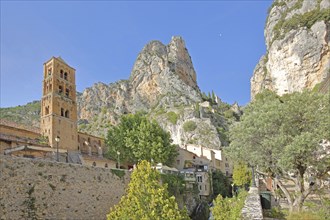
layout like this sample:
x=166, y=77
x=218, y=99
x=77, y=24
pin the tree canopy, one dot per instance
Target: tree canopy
x=283, y=136
x=241, y=175
x=136, y=138
x=146, y=198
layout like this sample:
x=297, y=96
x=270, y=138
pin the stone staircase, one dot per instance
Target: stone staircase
x=74, y=157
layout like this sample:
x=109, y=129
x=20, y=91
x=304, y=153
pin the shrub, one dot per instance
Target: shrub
x=172, y=117
x=189, y=126
x=119, y=173
x=229, y=208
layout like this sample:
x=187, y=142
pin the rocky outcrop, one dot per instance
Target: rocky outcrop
x=298, y=54
x=163, y=85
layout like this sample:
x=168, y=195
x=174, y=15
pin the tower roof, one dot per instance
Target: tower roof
x=60, y=58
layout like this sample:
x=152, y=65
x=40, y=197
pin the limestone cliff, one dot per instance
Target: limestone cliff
x=163, y=85
x=297, y=40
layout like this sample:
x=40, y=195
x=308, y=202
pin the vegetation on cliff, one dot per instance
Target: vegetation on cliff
x=284, y=137
x=146, y=198
x=28, y=114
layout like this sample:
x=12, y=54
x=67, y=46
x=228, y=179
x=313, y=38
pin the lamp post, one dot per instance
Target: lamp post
x=57, y=139
x=89, y=150
x=118, y=153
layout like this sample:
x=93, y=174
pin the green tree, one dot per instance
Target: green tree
x=282, y=135
x=146, y=198
x=136, y=138
x=241, y=175
x=228, y=208
x=220, y=184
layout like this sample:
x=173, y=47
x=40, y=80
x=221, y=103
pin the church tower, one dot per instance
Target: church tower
x=59, y=105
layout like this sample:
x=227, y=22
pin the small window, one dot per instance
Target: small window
x=66, y=76
x=47, y=110
x=94, y=164
x=106, y=165
x=62, y=112
x=227, y=174
x=67, y=92
x=61, y=73
x=49, y=71
x=50, y=86
x=67, y=113
x=60, y=89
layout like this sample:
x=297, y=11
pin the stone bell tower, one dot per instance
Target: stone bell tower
x=58, y=104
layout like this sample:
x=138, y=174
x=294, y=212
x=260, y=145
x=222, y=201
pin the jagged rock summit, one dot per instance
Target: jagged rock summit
x=298, y=54
x=163, y=75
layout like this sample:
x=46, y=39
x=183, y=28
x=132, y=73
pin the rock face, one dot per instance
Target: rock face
x=161, y=75
x=163, y=85
x=297, y=39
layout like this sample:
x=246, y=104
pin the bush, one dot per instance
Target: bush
x=172, y=117
x=189, y=126
x=229, y=208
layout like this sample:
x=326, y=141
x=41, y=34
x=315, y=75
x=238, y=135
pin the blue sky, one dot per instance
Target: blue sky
x=101, y=40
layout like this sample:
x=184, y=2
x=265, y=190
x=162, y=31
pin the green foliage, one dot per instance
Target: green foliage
x=228, y=208
x=242, y=174
x=304, y=215
x=172, y=117
x=28, y=114
x=175, y=183
x=197, y=110
x=119, y=173
x=136, y=138
x=146, y=198
x=275, y=213
x=319, y=208
x=223, y=134
x=220, y=184
x=228, y=114
x=282, y=134
x=43, y=140
x=189, y=126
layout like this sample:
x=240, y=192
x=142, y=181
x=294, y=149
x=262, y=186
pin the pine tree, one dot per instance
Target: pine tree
x=146, y=198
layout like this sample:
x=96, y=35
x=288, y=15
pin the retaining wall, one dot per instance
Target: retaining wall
x=37, y=189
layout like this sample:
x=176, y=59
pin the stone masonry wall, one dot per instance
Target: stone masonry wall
x=37, y=189
x=252, y=208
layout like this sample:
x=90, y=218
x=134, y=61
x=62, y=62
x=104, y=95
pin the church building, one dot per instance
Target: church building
x=58, y=137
